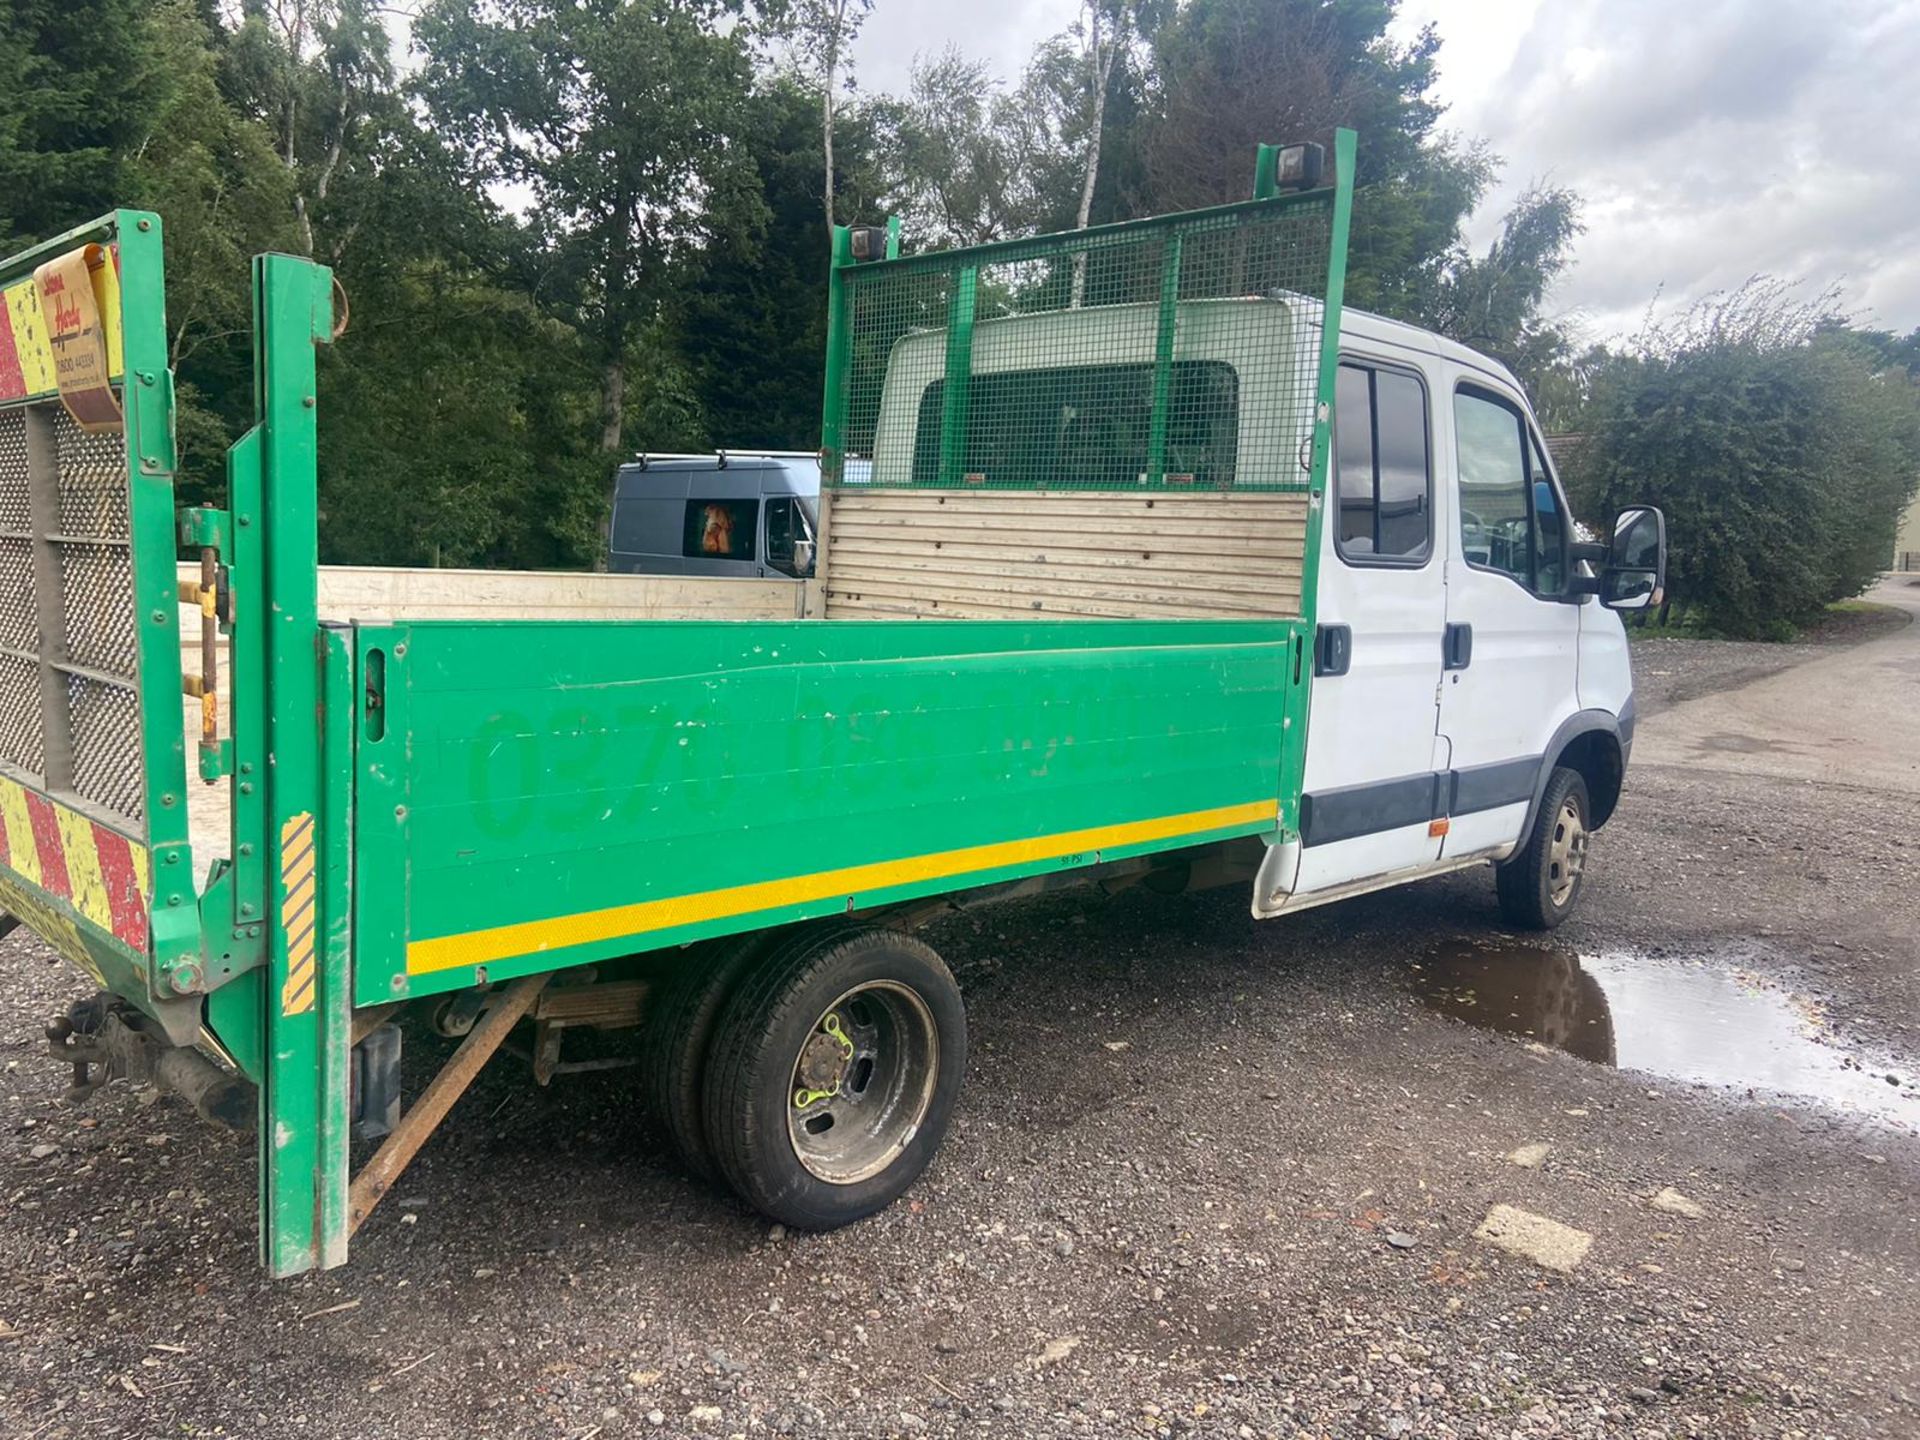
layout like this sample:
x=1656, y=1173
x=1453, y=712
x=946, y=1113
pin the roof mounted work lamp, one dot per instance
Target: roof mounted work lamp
x=869, y=242
x=1299, y=167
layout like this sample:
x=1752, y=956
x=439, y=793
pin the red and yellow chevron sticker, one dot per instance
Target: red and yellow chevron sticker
x=104, y=876
x=26, y=342
x=297, y=913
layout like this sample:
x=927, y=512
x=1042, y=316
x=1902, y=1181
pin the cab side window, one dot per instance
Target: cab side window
x=786, y=526
x=1511, y=519
x=1382, y=471
x=1549, y=529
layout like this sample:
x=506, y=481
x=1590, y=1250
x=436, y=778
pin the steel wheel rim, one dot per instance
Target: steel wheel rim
x=862, y=1082
x=1567, y=852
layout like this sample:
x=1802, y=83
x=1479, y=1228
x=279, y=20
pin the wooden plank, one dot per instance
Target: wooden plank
x=955, y=599
x=1256, y=583
x=871, y=607
x=1130, y=526
x=1208, y=506
x=1280, y=546
x=396, y=593
x=957, y=553
x=988, y=553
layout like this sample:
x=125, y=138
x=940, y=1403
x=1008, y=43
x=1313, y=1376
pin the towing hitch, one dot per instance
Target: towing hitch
x=106, y=1039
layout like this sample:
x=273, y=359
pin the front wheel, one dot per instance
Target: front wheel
x=1540, y=884
x=833, y=1075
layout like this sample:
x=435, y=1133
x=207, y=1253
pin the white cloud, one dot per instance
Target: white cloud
x=1001, y=32
x=1711, y=141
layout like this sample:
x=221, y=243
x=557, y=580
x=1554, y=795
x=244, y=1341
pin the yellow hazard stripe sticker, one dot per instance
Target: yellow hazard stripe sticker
x=22, y=853
x=530, y=937
x=86, y=884
x=297, y=913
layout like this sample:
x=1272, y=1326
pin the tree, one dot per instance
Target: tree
x=312, y=72
x=751, y=322
x=1109, y=30
x=619, y=120
x=973, y=161
x=825, y=30
x=77, y=87
x=1494, y=301
x=1780, y=448
x=1227, y=75
x=223, y=197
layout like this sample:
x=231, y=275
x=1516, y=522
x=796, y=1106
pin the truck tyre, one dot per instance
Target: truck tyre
x=677, y=1036
x=833, y=1075
x=1540, y=884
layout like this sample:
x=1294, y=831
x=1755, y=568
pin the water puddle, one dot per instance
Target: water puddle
x=1700, y=1023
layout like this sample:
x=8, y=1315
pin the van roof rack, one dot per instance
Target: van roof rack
x=647, y=457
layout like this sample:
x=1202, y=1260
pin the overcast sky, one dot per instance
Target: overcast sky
x=1710, y=139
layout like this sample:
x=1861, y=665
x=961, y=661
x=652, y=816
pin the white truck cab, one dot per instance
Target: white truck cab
x=1472, y=700
x=1470, y=677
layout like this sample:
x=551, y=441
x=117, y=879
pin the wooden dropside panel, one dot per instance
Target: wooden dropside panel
x=354, y=592
x=997, y=554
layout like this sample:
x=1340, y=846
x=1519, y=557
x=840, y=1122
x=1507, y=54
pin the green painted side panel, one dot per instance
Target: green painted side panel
x=520, y=772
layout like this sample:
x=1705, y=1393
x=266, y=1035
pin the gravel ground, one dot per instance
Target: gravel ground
x=1209, y=1177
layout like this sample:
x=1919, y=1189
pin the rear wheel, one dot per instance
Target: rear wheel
x=833, y=1075
x=1540, y=884
x=677, y=1036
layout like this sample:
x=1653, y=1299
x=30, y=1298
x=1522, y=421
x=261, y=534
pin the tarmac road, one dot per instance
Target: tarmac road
x=1210, y=1177
x=1849, y=718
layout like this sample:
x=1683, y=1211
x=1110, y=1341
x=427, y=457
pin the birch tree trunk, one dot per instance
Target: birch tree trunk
x=1100, y=58
x=836, y=28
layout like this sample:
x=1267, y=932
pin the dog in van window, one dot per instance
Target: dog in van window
x=716, y=535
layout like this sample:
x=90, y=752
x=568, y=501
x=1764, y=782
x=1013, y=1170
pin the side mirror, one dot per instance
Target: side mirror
x=803, y=559
x=1635, y=577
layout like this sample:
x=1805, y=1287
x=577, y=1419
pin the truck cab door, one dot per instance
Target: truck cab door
x=1512, y=640
x=1370, y=775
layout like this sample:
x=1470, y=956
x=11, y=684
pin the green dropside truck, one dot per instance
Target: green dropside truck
x=1061, y=629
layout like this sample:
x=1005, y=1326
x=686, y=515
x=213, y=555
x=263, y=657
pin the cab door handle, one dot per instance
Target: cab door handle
x=1456, y=647
x=1332, y=650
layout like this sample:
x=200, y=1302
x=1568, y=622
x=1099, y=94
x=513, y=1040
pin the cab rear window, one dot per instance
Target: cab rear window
x=1087, y=425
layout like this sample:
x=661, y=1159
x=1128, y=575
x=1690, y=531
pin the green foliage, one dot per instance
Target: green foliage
x=224, y=197
x=77, y=92
x=1494, y=302
x=973, y=161
x=620, y=120
x=752, y=322
x=1782, y=451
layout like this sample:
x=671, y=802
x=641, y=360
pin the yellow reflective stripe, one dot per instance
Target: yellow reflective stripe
x=88, y=885
x=23, y=855
x=484, y=947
